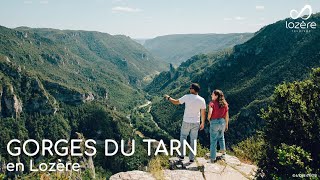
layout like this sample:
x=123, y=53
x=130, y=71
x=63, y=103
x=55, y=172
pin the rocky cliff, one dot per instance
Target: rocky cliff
x=22, y=91
x=231, y=168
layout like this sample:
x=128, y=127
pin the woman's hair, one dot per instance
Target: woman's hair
x=222, y=101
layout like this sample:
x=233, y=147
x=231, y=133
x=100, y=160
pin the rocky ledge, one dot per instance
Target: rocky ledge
x=229, y=169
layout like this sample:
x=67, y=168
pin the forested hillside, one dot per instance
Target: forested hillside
x=247, y=75
x=90, y=62
x=71, y=84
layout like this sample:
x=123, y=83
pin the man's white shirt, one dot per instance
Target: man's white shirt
x=194, y=103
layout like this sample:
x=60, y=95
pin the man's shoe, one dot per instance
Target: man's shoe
x=191, y=160
x=181, y=157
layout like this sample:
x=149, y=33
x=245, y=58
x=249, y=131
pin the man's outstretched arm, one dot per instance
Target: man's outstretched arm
x=173, y=101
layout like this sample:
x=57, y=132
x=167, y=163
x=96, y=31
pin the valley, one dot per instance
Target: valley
x=90, y=85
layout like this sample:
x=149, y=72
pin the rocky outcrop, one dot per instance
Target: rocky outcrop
x=67, y=95
x=52, y=58
x=20, y=91
x=36, y=95
x=2, y=166
x=88, y=97
x=172, y=71
x=10, y=105
x=134, y=175
x=40, y=100
x=229, y=169
x=86, y=162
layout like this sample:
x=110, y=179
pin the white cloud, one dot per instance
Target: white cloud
x=125, y=9
x=44, y=2
x=227, y=19
x=27, y=2
x=239, y=18
x=259, y=7
x=31, y=2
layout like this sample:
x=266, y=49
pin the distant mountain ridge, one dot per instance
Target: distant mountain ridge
x=177, y=48
x=141, y=41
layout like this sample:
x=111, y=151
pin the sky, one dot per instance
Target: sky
x=150, y=18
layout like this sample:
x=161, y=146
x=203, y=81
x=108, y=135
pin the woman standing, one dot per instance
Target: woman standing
x=218, y=117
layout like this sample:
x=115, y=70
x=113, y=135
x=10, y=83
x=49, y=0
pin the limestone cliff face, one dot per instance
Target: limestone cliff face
x=10, y=105
x=21, y=91
x=86, y=162
x=39, y=100
x=87, y=168
x=172, y=71
x=230, y=169
x=67, y=95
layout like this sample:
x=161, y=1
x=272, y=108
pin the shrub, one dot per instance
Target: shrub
x=292, y=140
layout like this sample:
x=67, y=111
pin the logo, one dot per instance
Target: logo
x=301, y=26
x=306, y=7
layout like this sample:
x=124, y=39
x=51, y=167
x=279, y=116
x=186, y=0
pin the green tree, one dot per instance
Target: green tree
x=292, y=138
x=11, y=129
x=53, y=127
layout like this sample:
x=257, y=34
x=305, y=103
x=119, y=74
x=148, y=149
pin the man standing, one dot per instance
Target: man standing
x=191, y=118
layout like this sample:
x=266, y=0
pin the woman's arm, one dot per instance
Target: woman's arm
x=209, y=113
x=227, y=120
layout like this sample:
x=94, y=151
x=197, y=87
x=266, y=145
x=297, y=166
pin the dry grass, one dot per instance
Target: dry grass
x=157, y=165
